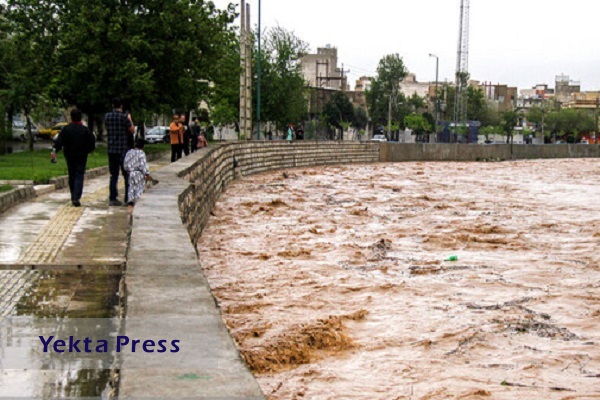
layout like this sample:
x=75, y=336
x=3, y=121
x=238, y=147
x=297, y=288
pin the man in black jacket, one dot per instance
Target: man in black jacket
x=77, y=142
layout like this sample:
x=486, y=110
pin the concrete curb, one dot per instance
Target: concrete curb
x=16, y=196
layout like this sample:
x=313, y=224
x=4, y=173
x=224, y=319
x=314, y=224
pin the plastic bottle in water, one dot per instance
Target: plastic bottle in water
x=452, y=258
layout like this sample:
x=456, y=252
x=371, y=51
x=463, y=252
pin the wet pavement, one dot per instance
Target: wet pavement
x=334, y=284
x=59, y=263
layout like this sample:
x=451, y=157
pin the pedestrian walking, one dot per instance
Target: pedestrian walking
x=186, y=135
x=77, y=142
x=176, y=137
x=195, y=135
x=290, y=132
x=299, y=133
x=202, y=143
x=137, y=167
x=119, y=134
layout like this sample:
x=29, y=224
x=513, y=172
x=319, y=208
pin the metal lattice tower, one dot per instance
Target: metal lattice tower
x=462, y=66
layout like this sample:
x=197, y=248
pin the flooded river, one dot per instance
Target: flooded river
x=334, y=281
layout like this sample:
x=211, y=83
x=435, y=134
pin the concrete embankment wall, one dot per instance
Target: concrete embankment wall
x=395, y=152
x=210, y=175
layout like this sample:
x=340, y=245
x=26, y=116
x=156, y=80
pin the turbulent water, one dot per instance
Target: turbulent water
x=333, y=281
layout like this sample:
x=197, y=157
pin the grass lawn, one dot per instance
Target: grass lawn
x=36, y=166
x=5, y=188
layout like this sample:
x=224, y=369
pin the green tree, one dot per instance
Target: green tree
x=418, y=125
x=282, y=85
x=338, y=110
x=224, y=96
x=416, y=102
x=477, y=108
x=360, y=118
x=152, y=53
x=385, y=91
x=491, y=130
x=24, y=63
x=570, y=123
x=509, y=121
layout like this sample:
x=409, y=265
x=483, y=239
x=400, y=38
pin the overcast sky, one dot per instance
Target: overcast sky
x=515, y=42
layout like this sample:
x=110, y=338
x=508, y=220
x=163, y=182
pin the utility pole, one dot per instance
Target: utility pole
x=343, y=82
x=437, y=64
x=246, y=72
x=243, y=68
x=258, y=74
x=597, y=108
x=389, y=117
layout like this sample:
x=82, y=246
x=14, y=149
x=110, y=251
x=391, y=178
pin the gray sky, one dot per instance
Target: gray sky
x=515, y=42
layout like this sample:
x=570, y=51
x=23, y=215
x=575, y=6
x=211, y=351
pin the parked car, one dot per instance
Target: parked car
x=379, y=138
x=584, y=141
x=50, y=133
x=158, y=134
x=19, y=130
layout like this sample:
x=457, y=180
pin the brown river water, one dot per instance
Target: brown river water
x=334, y=284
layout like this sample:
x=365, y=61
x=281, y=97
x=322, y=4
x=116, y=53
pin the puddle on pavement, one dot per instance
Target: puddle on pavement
x=9, y=252
x=334, y=284
x=57, y=295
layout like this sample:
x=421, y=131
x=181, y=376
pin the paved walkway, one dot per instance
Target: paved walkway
x=166, y=290
x=49, y=233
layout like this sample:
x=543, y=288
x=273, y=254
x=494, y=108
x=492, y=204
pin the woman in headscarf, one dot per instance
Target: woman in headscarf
x=137, y=167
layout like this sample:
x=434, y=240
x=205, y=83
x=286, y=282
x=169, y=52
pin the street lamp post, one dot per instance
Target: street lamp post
x=436, y=104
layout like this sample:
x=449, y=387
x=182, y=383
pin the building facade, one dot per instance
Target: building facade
x=320, y=70
x=535, y=96
x=502, y=98
x=565, y=88
x=584, y=100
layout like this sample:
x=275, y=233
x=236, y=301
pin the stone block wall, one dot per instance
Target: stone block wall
x=210, y=175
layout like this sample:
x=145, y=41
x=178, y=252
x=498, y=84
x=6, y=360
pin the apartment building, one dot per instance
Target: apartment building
x=534, y=96
x=321, y=70
x=501, y=97
x=565, y=88
x=584, y=100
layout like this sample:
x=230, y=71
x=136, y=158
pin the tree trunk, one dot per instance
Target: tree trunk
x=91, y=121
x=100, y=130
x=28, y=129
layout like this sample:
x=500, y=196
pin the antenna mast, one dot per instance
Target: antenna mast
x=462, y=67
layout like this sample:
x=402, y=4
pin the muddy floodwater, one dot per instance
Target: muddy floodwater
x=335, y=285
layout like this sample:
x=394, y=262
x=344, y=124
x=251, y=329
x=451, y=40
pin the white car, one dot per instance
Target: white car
x=378, y=138
x=158, y=134
x=19, y=131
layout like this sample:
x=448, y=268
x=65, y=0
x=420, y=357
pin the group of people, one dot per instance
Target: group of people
x=125, y=155
x=182, y=135
x=295, y=133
